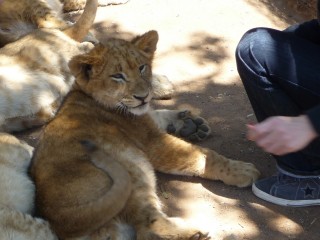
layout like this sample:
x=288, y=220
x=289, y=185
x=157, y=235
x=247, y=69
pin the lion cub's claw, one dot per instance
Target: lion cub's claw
x=193, y=128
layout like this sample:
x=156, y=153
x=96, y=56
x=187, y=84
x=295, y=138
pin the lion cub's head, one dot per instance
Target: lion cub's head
x=118, y=73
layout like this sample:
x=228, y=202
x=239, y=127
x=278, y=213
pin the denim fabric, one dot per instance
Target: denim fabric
x=280, y=71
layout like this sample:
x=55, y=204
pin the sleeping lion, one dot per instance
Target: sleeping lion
x=17, y=194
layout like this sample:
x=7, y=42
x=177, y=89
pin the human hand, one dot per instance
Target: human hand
x=281, y=135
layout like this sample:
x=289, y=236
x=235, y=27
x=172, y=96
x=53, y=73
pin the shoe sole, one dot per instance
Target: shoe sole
x=283, y=202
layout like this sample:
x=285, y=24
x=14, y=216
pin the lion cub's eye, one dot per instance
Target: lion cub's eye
x=143, y=68
x=88, y=70
x=119, y=77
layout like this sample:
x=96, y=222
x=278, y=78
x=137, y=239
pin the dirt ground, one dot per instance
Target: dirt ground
x=196, y=51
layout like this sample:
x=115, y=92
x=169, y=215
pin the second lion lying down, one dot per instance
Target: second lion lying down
x=81, y=194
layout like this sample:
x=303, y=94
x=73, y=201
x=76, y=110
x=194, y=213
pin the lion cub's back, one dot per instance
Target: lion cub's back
x=42, y=77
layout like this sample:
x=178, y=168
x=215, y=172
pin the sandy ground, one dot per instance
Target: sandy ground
x=196, y=51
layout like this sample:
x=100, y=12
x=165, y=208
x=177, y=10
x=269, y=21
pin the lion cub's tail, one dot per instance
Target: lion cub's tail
x=89, y=217
x=81, y=28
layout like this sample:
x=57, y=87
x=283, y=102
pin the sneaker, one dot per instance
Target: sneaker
x=285, y=190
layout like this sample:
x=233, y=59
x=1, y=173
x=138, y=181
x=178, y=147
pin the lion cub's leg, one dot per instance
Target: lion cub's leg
x=183, y=158
x=73, y=5
x=169, y=229
x=182, y=124
x=51, y=21
x=47, y=15
x=114, y=230
x=38, y=119
x=151, y=223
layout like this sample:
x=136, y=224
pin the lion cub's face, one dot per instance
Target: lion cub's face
x=118, y=73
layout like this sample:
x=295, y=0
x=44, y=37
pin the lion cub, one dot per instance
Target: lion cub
x=17, y=193
x=20, y=17
x=31, y=96
x=109, y=106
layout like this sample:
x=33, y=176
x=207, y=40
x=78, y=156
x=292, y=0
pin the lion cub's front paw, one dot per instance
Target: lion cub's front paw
x=240, y=174
x=189, y=127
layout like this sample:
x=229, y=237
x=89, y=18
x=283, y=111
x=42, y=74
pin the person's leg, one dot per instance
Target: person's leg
x=280, y=73
x=281, y=76
x=307, y=30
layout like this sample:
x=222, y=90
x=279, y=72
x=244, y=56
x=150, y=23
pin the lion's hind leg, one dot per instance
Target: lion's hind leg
x=165, y=228
x=144, y=212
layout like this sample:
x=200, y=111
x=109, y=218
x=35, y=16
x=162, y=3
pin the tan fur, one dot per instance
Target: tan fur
x=17, y=190
x=72, y=5
x=20, y=17
x=109, y=106
x=17, y=193
x=41, y=79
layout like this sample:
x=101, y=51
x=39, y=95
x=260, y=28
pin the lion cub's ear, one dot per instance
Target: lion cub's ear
x=81, y=65
x=147, y=43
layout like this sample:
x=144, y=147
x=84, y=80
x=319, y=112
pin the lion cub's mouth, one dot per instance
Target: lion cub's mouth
x=140, y=109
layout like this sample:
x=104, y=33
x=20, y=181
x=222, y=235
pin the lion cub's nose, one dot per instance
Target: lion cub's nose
x=141, y=98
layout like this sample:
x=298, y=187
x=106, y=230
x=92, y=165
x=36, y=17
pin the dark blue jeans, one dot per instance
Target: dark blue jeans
x=280, y=71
